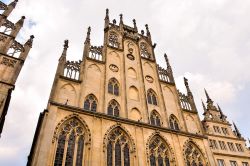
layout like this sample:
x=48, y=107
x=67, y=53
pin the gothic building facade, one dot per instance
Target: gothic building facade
x=12, y=56
x=117, y=107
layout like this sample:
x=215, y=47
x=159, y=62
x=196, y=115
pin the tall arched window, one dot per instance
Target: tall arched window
x=193, y=155
x=113, y=108
x=155, y=118
x=151, y=97
x=119, y=147
x=174, y=123
x=90, y=103
x=159, y=152
x=113, y=87
x=70, y=143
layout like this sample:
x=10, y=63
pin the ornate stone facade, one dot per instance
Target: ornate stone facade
x=12, y=56
x=123, y=109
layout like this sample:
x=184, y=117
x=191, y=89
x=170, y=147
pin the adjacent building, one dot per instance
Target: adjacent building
x=12, y=56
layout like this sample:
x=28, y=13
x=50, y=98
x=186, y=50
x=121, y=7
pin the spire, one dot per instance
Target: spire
x=187, y=87
x=10, y=8
x=167, y=62
x=65, y=48
x=237, y=131
x=88, y=36
x=27, y=47
x=223, y=117
x=135, y=27
x=30, y=41
x=18, y=26
x=203, y=105
x=208, y=98
x=147, y=30
x=106, y=19
x=13, y=4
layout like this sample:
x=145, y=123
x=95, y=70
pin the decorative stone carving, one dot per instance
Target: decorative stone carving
x=131, y=57
x=8, y=62
x=3, y=38
x=113, y=68
x=149, y=79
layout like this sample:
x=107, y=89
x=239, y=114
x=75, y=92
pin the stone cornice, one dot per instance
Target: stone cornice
x=125, y=121
x=226, y=137
x=231, y=155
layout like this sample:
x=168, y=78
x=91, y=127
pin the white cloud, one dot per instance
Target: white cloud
x=207, y=41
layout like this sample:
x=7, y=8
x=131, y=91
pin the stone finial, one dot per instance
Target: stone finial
x=203, y=105
x=167, y=62
x=134, y=22
x=30, y=41
x=121, y=19
x=208, y=98
x=147, y=30
x=142, y=32
x=114, y=21
x=107, y=14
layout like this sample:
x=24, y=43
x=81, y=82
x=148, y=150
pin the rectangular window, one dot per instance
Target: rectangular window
x=239, y=147
x=213, y=144
x=225, y=131
x=233, y=163
x=220, y=162
x=245, y=164
x=222, y=145
x=217, y=129
x=231, y=146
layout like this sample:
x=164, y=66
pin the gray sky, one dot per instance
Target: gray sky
x=207, y=41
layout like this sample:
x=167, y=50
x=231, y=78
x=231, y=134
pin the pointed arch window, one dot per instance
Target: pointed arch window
x=193, y=155
x=70, y=143
x=155, y=118
x=90, y=103
x=174, y=124
x=113, y=108
x=151, y=97
x=159, y=152
x=118, y=147
x=113, y=87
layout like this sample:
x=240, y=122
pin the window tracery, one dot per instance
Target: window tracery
x=113, y=108
x=113, y=87
x=118, y=147
x=90, y=103
x=113, y=40
x=159, y=152
x=144, y=50
x=71, y=136
x=72, y=70
x=174, y=123
x=155, y=119
x=96, y=53
x=193, y=155
x=151, y=97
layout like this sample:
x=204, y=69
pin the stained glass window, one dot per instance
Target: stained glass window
x=193, y=155
x=159, y=152
x=60, y=150
x=73, y=130
x=80, y=151
x=117, y=137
